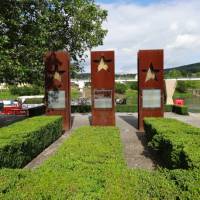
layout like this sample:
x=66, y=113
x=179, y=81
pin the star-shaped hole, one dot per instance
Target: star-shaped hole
x=151, y=73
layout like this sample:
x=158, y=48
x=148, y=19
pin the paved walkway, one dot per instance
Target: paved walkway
x=136, y=152
x=192, y=119
x=6, y=120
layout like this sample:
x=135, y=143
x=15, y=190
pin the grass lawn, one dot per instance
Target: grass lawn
x=131, y=96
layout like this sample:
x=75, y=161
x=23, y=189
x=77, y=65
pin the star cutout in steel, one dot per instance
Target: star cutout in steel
x=151, y=73
x=102, y=63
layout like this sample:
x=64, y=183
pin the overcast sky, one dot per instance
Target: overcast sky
x=172, y=25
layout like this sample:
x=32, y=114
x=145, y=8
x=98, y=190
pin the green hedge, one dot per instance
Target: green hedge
x=177, y=143
x=168, y=108
x=81, y=109
x=182, y=110
x=118, y=108
x=26, y=90
x=22, y=141
x=126, y=108
x=90, y=165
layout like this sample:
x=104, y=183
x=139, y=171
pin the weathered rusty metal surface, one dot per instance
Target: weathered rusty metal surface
x=150, y=76
x=103, y=78
x=57, y=79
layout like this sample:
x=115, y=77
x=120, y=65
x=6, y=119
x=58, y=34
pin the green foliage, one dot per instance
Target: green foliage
x=26, y=90
x=22, y=141
x=126, y=108
x=132, y=85
x=75, y=94
x=31, y=28
x=80, y=108
x=6, y=94
x=177, y=143
x=178, y=95
x=182, y=110
x=118, y=108
x=131, y=97
x=181, y=87
x=175, y=73
x=168, y=108
x=90, y=165
x=184, y=86
x=120, y=88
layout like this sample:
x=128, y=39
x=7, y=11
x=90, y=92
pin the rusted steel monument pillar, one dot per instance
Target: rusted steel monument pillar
x=103, y=88
x=57, y=86
x=150, y=85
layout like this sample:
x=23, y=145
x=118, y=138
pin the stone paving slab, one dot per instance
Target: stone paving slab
x=136, y=153
x=192, y=119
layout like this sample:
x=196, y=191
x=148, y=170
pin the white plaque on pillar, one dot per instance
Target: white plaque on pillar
x=103, y=99
x=56, y=99
x=151, y=98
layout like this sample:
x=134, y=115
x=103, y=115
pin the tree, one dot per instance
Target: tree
x=174, y=74
x=120, y=88
x=29, y=28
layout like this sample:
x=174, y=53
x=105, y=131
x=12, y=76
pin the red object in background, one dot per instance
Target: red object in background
x=179, y=102
x=12, y=109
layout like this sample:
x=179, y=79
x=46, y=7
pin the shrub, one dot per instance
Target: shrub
x=126, y=108
x=120, y=88
x=22, y=141
x=26, y=90
x=90, y=165
x=168, y=108
x=181, y=86
x=80, y=108
x=177, y=143
x=182, y=110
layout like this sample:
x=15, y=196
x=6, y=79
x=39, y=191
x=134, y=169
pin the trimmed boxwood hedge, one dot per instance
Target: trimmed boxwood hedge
x=126, y=108
x=168, y=108
x=177, y=143
x=90, y=165
x=22, y=141
x=182, y=110
x=80, y=108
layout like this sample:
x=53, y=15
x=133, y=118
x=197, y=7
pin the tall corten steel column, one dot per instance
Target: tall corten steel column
x=150, y=85
x=57, y=86
x=103, y=88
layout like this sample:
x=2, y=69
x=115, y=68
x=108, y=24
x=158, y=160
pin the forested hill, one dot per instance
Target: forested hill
x=192, y=68
x=181, y=71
